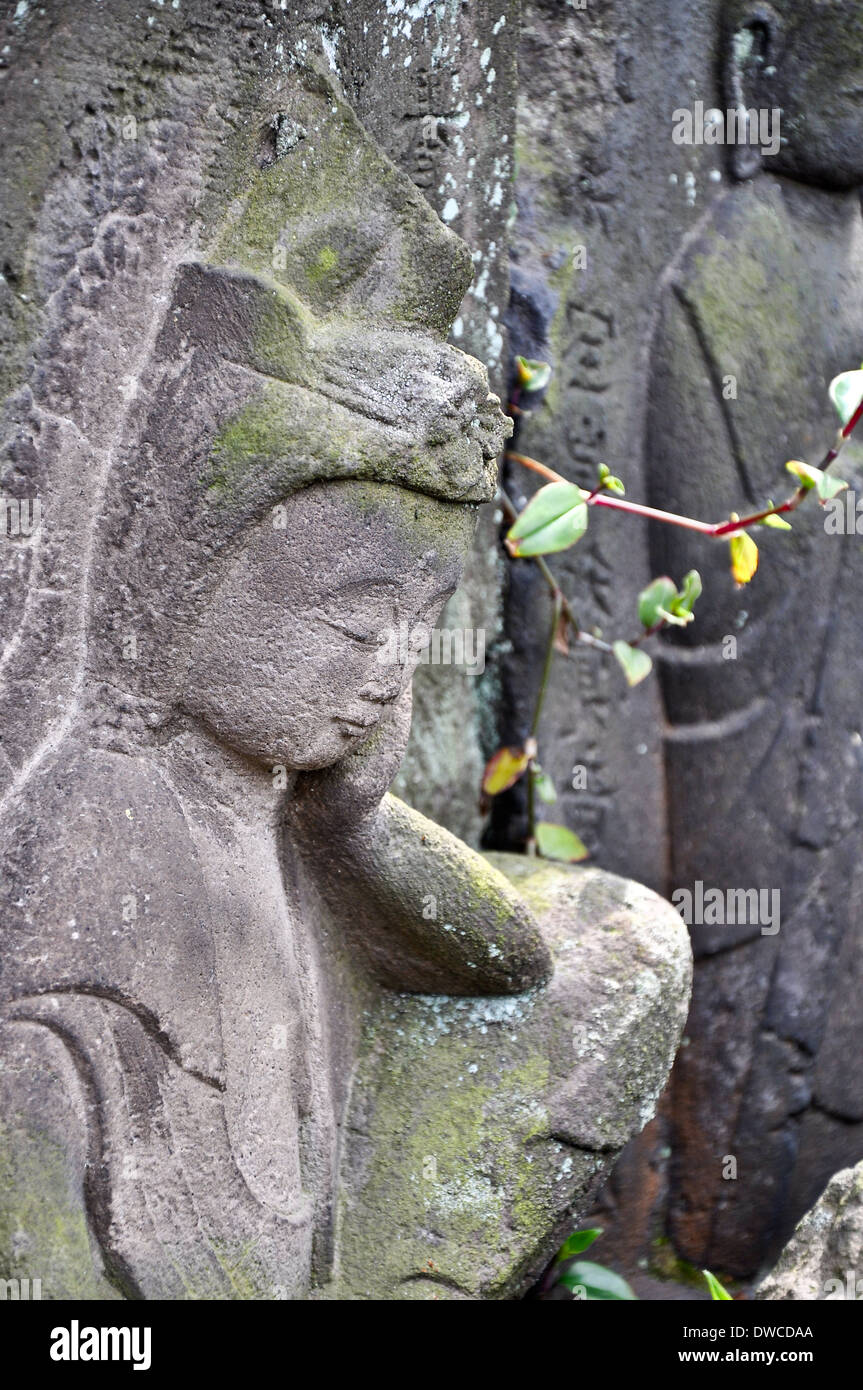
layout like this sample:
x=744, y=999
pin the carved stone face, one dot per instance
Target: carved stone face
x=291, y=662
x=806, y=57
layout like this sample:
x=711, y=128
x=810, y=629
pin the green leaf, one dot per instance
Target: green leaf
x=543, y=785
x=655, y=601
x=503, y=770
x=550, y=502
x=636, y=664
x=532, y=376
x=806, y=475
x=608, y=480
x=846, y=393
x=557, y=842
x=597, y=1282
x=689, y=594
x=777, y=522
x=830, y=486
x=554, y=519
x=716, y=1289
x=578, y=1242
x=826, y=484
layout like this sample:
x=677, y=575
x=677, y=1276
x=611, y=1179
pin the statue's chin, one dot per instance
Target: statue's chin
x=323, y=746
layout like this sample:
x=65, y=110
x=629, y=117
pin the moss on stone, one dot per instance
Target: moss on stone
x=287, y=437
x=749, y=310
x=448, y=1180
x=537, y=880
x=288, y=221
x=282, y=440
x=43, y=1223
x=322, y=267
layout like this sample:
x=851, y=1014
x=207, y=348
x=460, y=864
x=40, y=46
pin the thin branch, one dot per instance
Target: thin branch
x=717, y=529
x=546, y=670
x=557, y=609
x=561, y=606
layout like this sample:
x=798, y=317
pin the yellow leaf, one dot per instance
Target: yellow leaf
x=744, y=557
x=503, y=770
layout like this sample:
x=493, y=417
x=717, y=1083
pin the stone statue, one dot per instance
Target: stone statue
x=762, y=307
x=266, y=1031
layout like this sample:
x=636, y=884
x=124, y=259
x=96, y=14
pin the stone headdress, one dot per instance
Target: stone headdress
x=334, y=285
x=307, y=344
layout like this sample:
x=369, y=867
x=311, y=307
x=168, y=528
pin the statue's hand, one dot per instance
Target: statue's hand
x=343, y=795
x=380, y=865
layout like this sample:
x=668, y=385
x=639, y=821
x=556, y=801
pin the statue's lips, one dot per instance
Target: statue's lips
x=356, y=724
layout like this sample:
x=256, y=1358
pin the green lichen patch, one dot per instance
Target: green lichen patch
x=452, y=1179
x=43, y=1224
x=339, y=224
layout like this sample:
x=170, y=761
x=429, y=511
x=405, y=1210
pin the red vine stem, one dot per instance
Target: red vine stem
x=706, y=528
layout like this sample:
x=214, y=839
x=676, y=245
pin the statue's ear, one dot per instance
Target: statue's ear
x=753, y=46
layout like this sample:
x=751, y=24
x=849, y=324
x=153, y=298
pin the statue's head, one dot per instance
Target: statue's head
x=308, y=457
x=316, y=625
x=804, y=58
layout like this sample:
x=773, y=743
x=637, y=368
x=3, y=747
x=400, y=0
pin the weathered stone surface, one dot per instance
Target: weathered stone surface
x=436, y=87
x=603, y=202
x=692, y=352
x=476, y=1132
x=207, y=891
x=133, y=239
x=598, y=173
x=480, y=1129
x=775, y=1016
x=824, y=1257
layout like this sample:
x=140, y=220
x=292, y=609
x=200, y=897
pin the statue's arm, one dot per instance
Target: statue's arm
x=436, y=916
x=430, y=914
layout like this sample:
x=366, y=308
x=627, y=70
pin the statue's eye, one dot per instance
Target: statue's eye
x=365, y=611
x=368, y=637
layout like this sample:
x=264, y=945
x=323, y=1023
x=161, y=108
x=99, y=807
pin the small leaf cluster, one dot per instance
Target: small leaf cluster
x=588, y=1282
x=556, y=517
x=508, y=766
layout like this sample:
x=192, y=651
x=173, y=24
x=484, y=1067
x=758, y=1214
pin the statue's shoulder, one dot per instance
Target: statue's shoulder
x=93, y=814
x=742, y=261
x=101, y=891
x=719, y=323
